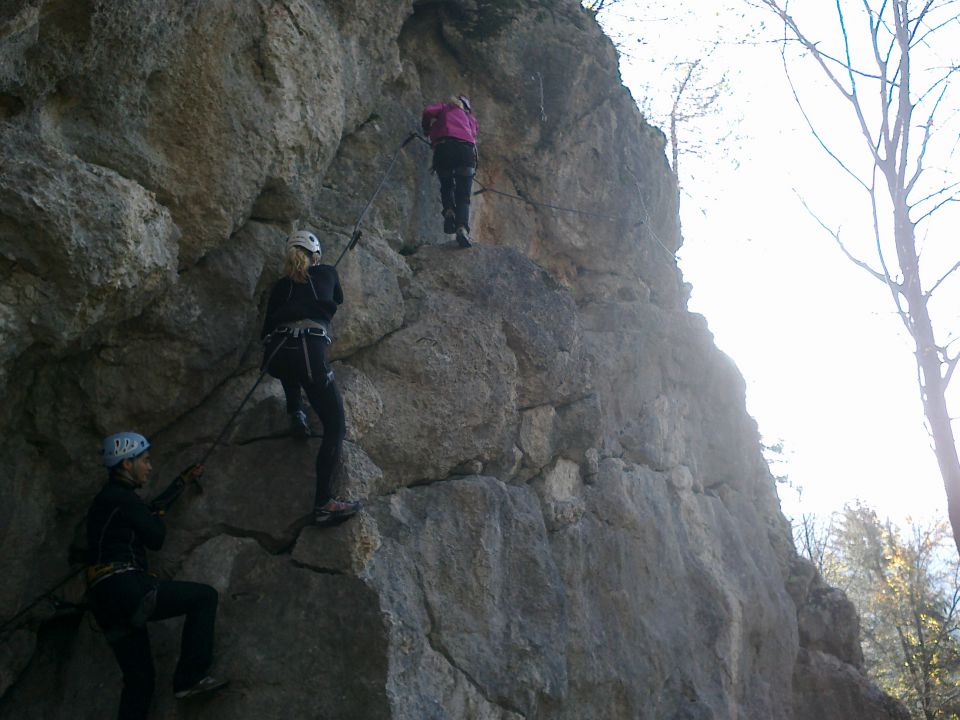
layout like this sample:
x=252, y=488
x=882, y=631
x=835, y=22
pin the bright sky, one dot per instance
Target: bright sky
x=827, y=362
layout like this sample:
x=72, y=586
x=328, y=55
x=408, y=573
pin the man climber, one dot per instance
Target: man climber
x=124, y=596
x=452, y=129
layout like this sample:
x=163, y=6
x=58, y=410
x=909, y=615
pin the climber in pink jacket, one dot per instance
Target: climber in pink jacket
x=452, y=129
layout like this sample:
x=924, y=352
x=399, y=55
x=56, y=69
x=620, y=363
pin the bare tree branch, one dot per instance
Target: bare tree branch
x=813, y=130
x=931, y=211
x=885, y=279
x=935, y=193
x=951, y=366
x=896, y=290
x=819, y=58
x=947, y=274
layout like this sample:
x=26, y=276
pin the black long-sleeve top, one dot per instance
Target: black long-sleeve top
x=316, y=299
x=121, y=527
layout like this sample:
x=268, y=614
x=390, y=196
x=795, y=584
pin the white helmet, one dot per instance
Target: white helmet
x=307, y=240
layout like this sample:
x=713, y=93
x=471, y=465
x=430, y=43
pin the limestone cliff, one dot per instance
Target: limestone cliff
x=567, y=513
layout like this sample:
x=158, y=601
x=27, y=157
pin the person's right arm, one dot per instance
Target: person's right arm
x=148, y=526
x=430, y=113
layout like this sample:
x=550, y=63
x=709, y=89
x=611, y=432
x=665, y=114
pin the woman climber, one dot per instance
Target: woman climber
x=296, y=333
x=452, y=129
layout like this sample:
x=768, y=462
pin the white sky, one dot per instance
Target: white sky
x=827, y=362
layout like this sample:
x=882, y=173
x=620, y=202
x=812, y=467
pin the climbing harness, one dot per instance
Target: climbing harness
x=99, y=573
x=355, y=235
x=559, y=208
x=301, y=330
x=494, y=191
x=304, y=327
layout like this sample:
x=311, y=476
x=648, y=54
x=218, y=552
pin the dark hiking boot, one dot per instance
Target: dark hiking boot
x=299, y=427
x=463, y=237
x=205, y=685
x=334, y=512
x=449, y=222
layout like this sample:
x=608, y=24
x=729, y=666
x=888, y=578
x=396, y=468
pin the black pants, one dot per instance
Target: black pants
x=455, y=162
x=302, y=363
x=116, y=600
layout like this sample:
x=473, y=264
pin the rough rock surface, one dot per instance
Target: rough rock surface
x=567, y=514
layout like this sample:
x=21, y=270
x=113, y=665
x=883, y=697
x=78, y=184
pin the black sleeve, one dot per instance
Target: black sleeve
x=273, y=304
x=163, y=501
x=337, y=290
x=149, y=527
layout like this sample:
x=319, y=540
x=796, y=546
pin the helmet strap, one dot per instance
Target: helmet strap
x=119, y=472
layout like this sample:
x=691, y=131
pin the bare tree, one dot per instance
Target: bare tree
x=694, y=98
x=895, y=81
x=813, y=537
x=687, y=78
x=596, y=6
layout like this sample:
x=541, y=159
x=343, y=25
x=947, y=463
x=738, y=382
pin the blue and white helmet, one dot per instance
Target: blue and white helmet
x=123, y=446
x=307, y=240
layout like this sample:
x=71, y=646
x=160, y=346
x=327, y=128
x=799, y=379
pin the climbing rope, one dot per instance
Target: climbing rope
x=560, y=208
x=6, y=626
x=355, y=234
x=237, y=412
x=76, y=571
x=587, y=213
x=354, y=239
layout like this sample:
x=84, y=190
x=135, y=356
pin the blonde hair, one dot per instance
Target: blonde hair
x=455, y=100
x=298, y=262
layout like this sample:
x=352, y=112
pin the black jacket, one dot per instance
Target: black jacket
x=316, y=299
x=121, y=527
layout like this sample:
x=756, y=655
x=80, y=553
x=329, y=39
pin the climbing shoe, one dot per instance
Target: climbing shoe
x=449, y=222
x=299, y=427
x=334, y=512
x=463, y=237
x=205, y=685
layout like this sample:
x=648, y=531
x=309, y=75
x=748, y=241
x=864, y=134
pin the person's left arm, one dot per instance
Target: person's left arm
x=162, y=502
x=273, y=304
x=337, y=290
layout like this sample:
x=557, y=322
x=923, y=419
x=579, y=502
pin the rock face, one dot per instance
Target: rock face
x=567, y=514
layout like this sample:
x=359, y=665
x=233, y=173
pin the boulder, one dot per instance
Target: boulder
x=444, y=570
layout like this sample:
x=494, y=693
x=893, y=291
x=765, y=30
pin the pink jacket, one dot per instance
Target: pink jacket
x=446, y=120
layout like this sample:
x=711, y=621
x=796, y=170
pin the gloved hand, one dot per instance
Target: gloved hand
x=168, y=497
x=191, y=473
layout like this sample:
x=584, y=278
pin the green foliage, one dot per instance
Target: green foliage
x=906, y=587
